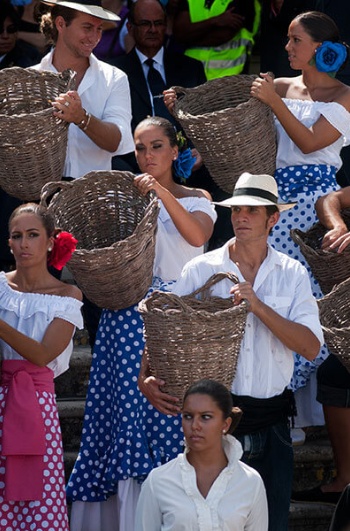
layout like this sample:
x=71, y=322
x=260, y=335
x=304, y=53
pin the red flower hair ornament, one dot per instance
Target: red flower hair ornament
x=63, y=248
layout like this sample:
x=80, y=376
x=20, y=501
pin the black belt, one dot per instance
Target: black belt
x=260, y=413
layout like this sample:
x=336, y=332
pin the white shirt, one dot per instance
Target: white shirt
x=104, y=92
x=157, y=65
x=172, y=250
x=170, y=499
x=308, y=112
x=265, y=365
x=31, y=314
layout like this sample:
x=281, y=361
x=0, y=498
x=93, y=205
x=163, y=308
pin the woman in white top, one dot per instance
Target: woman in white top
x=123, y=436
x=207, y=488
x=38, y=316
x=313, y=124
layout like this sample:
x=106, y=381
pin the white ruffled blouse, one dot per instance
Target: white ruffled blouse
x=31, y=314
x=308, y=112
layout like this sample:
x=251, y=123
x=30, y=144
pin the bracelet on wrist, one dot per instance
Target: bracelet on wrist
x=84, y=123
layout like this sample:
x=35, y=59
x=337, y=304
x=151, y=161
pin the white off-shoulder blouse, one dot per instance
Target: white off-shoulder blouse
x=31, y=314
x=308, y=112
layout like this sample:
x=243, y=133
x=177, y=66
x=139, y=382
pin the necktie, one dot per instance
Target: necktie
x=156, y=85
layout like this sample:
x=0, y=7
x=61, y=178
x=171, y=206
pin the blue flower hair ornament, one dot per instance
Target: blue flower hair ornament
x=329, y=57
x=183, y=164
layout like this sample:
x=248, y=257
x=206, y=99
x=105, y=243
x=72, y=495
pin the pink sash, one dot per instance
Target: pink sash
x=23, y=437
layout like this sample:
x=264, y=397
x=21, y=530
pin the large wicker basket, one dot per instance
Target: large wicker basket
x=328, y=267
x=189, y=338
x=232, y=131
x=32, y=141
x=115, y=226
x=335, y=319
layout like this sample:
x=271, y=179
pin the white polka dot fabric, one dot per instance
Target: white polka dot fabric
x=123, y=436
x=50, y=513
x=304, y=185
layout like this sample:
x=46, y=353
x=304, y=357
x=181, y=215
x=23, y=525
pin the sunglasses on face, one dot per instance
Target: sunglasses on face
x=12, y=28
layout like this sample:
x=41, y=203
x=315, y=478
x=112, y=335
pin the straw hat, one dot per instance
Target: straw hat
x=255, y=190
x=90, y=7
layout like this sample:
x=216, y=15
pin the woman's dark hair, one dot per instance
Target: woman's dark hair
x=48, y=26
x=319, y=26
x=39, y=211
x=168, y=128
x=220, y=395
x=8, y=11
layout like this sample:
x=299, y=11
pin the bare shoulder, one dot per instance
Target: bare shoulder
x=289, y=87
x=194, y=192
x=69, y=290
x=342, y=96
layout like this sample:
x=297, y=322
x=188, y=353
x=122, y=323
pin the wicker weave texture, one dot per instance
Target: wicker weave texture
x=335, y=319
x=328, y=267
x=189, y=338
x=232, y=131
x=32, y=141
x=115, y=226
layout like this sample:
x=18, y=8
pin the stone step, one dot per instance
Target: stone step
x=74, y=382
x=313, y=464
x=310, y=516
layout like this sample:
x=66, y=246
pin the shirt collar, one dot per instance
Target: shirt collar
x=158, y=58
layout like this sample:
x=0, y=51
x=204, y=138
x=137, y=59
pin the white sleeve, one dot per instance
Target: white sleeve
x=258, y=517
x=148, y=513
x=337, y=116
x=118, y=111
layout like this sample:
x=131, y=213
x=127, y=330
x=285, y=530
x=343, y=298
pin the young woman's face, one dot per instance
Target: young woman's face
x=153, y=151
x=300, y=46
x=28, y=239
x=203, y=422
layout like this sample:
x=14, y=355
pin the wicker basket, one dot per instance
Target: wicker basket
x=115, y=226
x=189, y=338
x=32, y=141
x=232, y=131
x=335, y=319
x=328, y=267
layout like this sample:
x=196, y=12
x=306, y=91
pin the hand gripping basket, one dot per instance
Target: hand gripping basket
x=334, y=311
x=232, y=131
x=328, y=267
x=32, y=141
x=189, y=338
x=115, y=226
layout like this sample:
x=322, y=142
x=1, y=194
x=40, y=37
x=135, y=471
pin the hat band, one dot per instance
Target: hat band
x=256, y=192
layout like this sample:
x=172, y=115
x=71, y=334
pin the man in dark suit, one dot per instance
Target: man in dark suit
x=147, y=26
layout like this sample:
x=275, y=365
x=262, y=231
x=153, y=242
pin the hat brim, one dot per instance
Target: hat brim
x=247, y=200
x=95, y=11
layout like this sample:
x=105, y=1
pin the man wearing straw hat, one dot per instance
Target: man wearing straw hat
x=282, y=318
x=99, y=110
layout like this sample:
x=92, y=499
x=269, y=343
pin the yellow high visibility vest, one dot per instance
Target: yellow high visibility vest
x=227, y=59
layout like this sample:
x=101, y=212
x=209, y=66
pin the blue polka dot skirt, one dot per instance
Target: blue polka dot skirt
x=304, y=185
x=123, y=435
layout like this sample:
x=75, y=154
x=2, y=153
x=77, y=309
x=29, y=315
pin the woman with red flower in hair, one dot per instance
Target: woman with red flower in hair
x=38, y=316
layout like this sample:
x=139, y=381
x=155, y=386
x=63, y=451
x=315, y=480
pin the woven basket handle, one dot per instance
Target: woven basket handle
x=214, y=279
x=51, y=188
